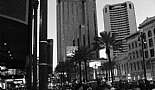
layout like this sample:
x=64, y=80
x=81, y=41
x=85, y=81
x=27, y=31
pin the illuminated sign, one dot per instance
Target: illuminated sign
x=70, y=50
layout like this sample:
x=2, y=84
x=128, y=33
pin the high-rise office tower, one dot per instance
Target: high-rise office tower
x=120, y=20
x=76, y=25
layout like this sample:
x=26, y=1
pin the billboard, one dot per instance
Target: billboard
x=15, y=9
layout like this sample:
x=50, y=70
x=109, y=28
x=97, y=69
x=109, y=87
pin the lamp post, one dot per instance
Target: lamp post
x=143, y=61
x=35, y=7
x=95, y=71
x=43, y=47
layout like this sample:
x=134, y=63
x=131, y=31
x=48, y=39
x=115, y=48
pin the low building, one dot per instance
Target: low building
x=130, y=65
x=148, y=27
x=135, y=57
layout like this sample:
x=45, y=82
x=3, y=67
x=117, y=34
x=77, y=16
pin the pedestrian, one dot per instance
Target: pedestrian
x=89, y=88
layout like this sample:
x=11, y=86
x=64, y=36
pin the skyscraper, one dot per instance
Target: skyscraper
x=76, y=25
x=120, y=20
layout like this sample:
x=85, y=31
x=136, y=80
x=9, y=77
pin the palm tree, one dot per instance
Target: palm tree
x=83, y=54
x=108, y=41
x=105, y=67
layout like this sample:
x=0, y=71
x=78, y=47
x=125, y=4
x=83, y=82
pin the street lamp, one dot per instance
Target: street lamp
x=142, y=36
x=35, y=8
x=95, y=71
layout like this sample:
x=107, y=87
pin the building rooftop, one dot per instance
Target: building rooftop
x=146, y=22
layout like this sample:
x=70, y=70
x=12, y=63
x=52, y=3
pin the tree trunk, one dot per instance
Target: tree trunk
x=110, y=67
x=80, y=71
x=85, y=62
x=106, y=72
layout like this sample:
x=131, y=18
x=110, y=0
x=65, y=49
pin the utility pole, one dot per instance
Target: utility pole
x=43, y=46
x=35, y=9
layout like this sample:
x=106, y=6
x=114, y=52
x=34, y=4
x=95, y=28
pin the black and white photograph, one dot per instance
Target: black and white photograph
x=77, y=44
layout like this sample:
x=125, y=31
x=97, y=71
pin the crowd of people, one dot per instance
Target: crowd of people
x=119, y=85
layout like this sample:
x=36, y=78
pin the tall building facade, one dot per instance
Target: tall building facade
x=76, y=25
x=120, y=20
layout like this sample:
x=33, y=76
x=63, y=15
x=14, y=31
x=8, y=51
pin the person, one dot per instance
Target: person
x=89, y=88
x=81, y=87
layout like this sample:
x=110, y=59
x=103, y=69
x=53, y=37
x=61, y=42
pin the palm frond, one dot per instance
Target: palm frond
x=97, y=46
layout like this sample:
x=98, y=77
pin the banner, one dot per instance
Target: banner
x=15, y=9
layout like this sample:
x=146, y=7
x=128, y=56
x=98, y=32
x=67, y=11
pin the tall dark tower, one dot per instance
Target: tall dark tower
x=76, y=25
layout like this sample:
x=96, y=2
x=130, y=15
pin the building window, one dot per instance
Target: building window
x=149, y=33
x=141, y=53
x=150, y=42
x=152, y=52
x=135, y=66
x=145, y=45
x=138, y=66
x=146, y=54
x=130, y=56
x=142, y=64
x=132, y=45
x=154, y=31
x=144, y=37
x=130, y=6
x=133, y=53
x=73, y=42
x=131, y=66
x=137, y=55
x=105, y=10
x=127, y=67
x=58, y=1
x=122, y=68
x=78, y=41
x=136, y=44
x=139, y=42
x=84, y=40
x=129, y=46
x=148, y=65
